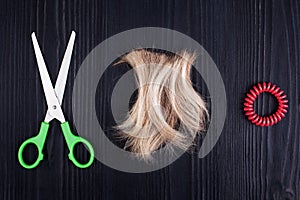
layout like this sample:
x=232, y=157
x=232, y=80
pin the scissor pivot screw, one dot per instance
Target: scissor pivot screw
x=54, y=107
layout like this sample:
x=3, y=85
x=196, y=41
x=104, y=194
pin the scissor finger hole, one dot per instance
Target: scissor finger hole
x=81, y=154
x=30, y=154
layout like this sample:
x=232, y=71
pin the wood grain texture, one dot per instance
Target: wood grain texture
x=250, y=41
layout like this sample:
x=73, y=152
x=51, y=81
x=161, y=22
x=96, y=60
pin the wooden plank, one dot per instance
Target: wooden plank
x=250, y=41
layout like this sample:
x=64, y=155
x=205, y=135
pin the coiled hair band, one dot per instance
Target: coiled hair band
x=273, y=118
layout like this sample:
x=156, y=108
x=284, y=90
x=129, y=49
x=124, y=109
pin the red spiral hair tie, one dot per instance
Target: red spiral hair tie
x=273, y=118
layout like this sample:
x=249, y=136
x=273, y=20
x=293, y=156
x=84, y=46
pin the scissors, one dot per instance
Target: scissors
x=54, y=97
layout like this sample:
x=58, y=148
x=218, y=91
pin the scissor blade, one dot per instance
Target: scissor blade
x=63, y=74
x=49, y=92
x=64, y=69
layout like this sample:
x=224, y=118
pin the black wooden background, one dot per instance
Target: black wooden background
x=250, y=41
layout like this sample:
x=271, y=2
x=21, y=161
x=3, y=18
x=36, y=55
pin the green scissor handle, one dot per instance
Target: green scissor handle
x=40, y=139
x=39, y=142
x=72, y=140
